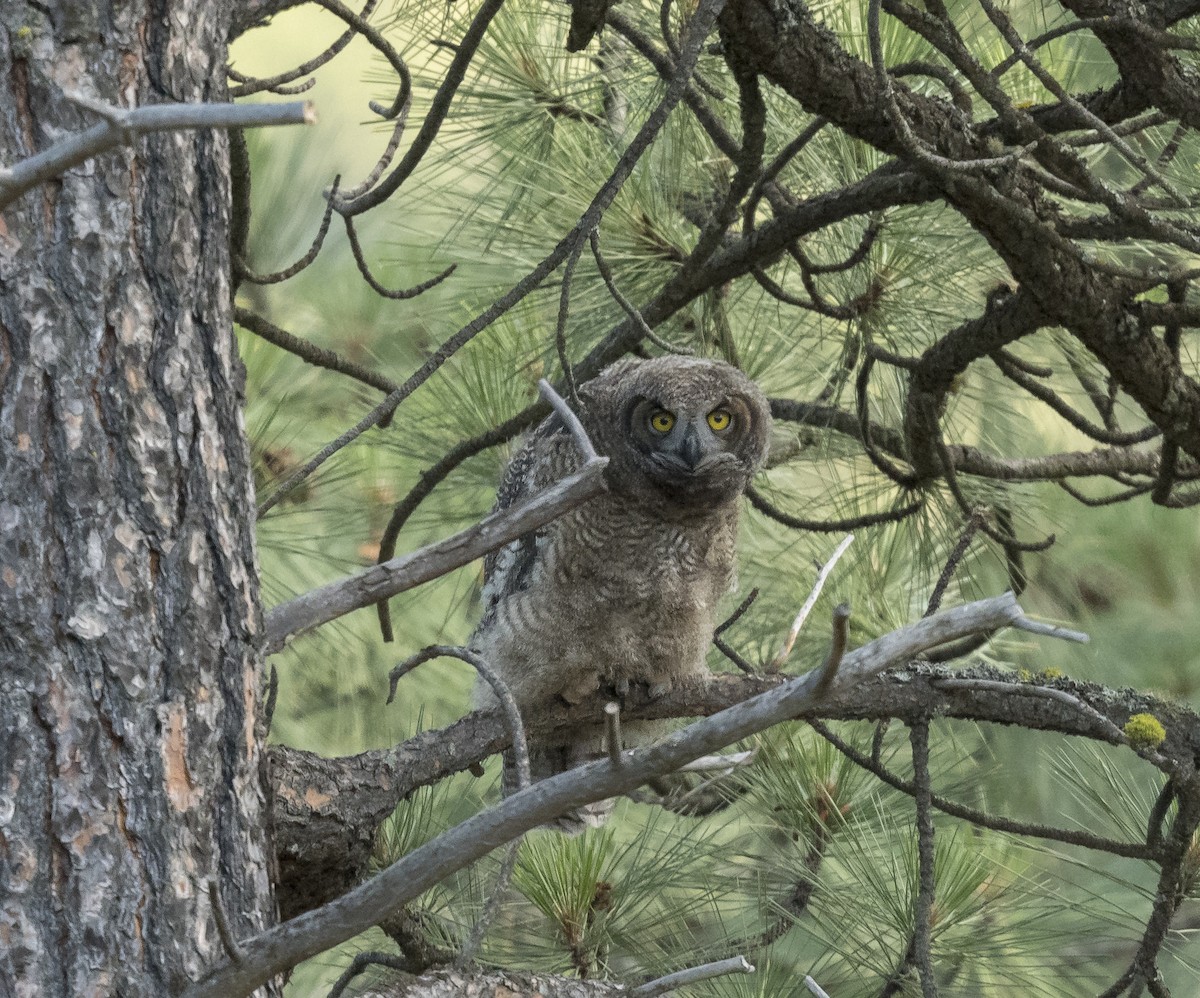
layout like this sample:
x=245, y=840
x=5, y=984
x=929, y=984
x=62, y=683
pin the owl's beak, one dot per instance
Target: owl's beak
x=691, y=449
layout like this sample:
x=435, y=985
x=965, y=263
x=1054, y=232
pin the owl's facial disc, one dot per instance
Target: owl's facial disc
x=690, y=452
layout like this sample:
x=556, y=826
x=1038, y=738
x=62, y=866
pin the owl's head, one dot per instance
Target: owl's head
x=692, y=431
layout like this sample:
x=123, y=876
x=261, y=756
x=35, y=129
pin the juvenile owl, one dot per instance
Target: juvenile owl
x=625, y=588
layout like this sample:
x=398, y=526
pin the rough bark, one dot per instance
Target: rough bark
x=129, y=616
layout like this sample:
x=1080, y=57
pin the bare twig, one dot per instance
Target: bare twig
x=232, y=949
x=429, y=479
x=723, y=646
x=120, y=127
x=627, y=306
x=767, y=508
x=487, y=916
x=399, y=294
x=370, y=585
x=719, y=763
x=309, y=352
x=778, y=661
x=289, y=272
x=923, y=916
x=952, y=563
x=612, y=739
x=998, y=822
x=560, y=325
x=837, y=648
x=814, y=987
x=508, y=706
x=570, y=420
x=360, y=963
x=275, y=84
x=693, y=975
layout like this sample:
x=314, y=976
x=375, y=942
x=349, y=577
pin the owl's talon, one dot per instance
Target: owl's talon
x=622, y=688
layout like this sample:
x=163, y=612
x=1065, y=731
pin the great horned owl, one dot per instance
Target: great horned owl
x=625, y=588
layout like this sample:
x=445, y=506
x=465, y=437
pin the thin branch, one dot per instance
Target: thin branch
x=720, y=763
x=1110, y=730
x=499, y=889
x=319, y=606
x=508, y=706
x=578, y=434
x=765, y=507
x=630, y=310
x=789, y=642
x=121, y=127
x=385, y=48
x=228, y=940
x=245, y=273
x=1158, y=815
x=275, y=84
x=1064, y=409
x=996, y=822
x=400, y=294
x=923, y=916
x=861, y=384
x=1048, y=80
x=724, y=647
x=438, y=109
x=432, y=477
x=1168, y=895
x=309, y=352
x=910, y=143
x=612, y=738
x=1131, y=493
x=814, y=988
x=560, y=325
x=1006, y=538
x=360, y=963
x=774, y=168
x=837, y=648
x=693, y=975
x=956, y=556
x=520, y=750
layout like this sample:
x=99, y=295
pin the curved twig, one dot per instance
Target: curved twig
x=276, y=84
x=765, y=507
x=245, y=273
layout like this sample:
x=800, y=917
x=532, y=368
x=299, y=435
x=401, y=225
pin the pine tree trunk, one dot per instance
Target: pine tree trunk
x=130, y=757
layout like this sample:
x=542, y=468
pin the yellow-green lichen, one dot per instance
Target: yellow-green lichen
x=1051, y=673
x=1145, y=731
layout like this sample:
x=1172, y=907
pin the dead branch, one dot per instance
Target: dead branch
x=121, y=126
x=304, y=613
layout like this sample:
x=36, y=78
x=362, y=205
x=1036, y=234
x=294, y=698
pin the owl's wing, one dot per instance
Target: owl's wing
x=547, y=455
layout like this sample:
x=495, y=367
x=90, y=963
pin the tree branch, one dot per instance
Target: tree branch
x=121, y=126
x=285, y=945
x=304, y=613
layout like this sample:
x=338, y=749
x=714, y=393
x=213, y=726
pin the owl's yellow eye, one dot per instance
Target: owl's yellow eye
x=719, y=420
x=662, y=421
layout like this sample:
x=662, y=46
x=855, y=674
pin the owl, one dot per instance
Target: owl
x=624, y=589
